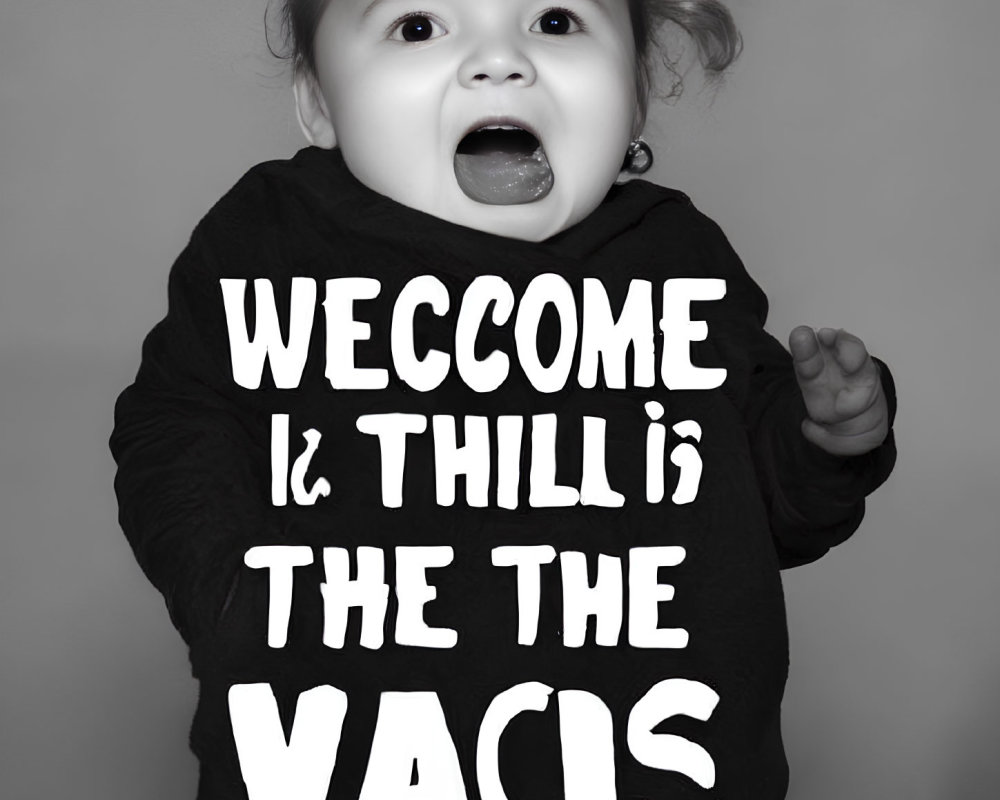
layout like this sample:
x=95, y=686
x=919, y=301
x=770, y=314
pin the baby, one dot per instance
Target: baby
x=553, y=463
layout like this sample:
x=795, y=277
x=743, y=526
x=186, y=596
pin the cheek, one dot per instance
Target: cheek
x=399, y=108
x=597, y=106
x=617, y=90
x=597, y=90
x=598, y=123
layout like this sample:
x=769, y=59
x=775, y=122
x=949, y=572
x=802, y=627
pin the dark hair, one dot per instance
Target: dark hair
x=707, y=22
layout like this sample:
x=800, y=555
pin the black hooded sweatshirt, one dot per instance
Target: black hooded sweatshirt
x=668, y=684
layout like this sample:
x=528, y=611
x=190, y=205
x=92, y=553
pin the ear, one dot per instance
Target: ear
x=642, y=94
x=639, y=121
x=310, y=108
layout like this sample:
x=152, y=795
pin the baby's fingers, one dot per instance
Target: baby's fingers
x=807, y=356
x=849, y=444
x=849, y=351
x=858, y=395
x=854, y=436
x=864, y=423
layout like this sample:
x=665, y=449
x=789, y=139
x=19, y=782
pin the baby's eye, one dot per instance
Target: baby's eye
x=558, y=21
x=415, y=28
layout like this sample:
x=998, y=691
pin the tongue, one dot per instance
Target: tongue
x=502, y=167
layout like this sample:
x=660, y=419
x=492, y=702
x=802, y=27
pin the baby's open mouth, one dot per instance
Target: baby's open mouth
x=503, y=165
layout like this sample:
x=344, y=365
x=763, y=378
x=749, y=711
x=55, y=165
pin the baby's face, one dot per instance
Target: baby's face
x=408, y=91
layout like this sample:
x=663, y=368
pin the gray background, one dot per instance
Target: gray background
x=851, y=159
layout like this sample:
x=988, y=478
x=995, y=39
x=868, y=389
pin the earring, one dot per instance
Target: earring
x=638, y=158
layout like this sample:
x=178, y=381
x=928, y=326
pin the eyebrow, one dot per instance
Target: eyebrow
x=369, y=8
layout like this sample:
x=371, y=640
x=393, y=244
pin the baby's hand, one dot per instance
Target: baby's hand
x=840, y=383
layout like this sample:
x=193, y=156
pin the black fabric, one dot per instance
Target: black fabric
x=193, y=485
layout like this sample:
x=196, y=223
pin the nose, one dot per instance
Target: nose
x=496, y=61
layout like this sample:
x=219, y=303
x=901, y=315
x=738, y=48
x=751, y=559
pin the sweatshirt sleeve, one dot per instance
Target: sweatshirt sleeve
x=191, y=494
x=814, y=500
